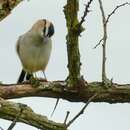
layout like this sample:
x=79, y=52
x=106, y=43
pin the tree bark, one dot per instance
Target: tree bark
x=71, y=12
x=10, y=110
x=117, y=93
x=6, y=7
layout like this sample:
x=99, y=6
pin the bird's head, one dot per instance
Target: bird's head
x=44, y=28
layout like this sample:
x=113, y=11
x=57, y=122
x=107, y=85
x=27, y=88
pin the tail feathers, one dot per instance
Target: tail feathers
x=57, y=101
x=21, y=77
x=24, y=76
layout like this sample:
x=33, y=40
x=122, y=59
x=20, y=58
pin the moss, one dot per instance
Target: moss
x=6, y=6
x=71, y=15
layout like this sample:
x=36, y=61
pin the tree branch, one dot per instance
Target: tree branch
x=86, y=11
x=108, y=17
x=105, y=20
x=98, y=43
x=15, y=120
x=6, y=6
x=104, y=39
x=9, y=111
x=71, y=13
x=81, y=111
x=117, y=93
x=67, y=115
x=114, y=10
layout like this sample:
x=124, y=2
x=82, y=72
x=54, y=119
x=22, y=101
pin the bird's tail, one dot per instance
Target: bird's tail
x=22, y=76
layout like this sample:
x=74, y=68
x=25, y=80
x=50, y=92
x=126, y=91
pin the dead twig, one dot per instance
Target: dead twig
x=87, y=6
x=86, y=11
x=104, y=39
x=114, y=10
x=81, y=111
x=98, y=44
x=67, y=115
x=105, y=21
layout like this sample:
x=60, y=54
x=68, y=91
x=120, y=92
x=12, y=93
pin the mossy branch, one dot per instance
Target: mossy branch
x=117, y=93
x=74, y=28
x=56, y=89
x=9, y=111
x=6, y=6
x=71, y=13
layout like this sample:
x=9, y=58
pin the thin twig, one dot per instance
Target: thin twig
x=105, y=21
x=98, y=44
x=102, y=11
x=104, y=39
x=81, y=111
x=85, y=12
x=57, y=101
x=67, y=115
x=15, y=120
x=114, y=10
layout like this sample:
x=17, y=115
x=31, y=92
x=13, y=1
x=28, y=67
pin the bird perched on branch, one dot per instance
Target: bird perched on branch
x=34, y=48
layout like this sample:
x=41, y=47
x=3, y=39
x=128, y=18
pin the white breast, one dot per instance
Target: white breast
x=34, y=57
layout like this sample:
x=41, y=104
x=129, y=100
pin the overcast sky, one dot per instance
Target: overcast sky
x=98, y=116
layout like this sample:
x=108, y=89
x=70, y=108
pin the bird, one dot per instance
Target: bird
x=34, y=48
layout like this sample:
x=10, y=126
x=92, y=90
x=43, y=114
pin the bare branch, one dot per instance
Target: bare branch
x=57, y=101
x=81, y=111
x=67, y=115
x=98, y=44
x=104, y=39
x=105, y=20
x=87, y=6
x=102, y=11
x=114, y=10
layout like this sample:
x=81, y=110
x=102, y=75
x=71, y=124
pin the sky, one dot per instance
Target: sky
x=97, y=116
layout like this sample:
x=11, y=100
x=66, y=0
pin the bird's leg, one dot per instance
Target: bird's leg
x=45, y=78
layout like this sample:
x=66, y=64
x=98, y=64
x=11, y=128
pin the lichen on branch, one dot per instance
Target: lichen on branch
x=6, y=7
x=9, y=111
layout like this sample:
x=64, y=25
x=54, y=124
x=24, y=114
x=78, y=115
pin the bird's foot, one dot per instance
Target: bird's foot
x=34, y=81
x=108, y=83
